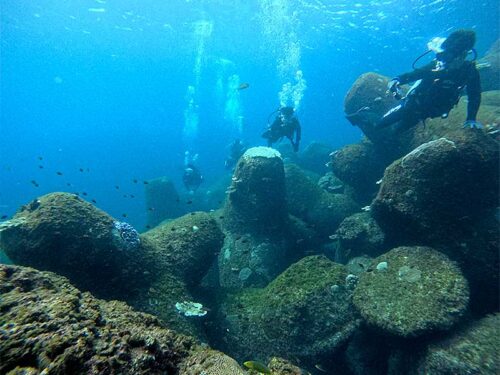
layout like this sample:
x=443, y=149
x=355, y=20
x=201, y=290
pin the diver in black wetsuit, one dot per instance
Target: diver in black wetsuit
x=285, y=125
x=438, y=86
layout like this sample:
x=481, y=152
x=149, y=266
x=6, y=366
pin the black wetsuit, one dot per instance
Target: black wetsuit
x=437, y=93
x=284, y=128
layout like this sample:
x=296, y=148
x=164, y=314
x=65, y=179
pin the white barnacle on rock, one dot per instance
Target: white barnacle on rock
x=261, y=152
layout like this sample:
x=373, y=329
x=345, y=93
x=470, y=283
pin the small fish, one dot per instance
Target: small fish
x=81, y=170
x=3, y=217
x=132, y=196
x=151, y=209
x=68, y=184
x=124, y=215
x=33, y=182
x=59, y=173
x=40, y=166
x=40, y=158
x=93, y=201
x=243, y=86
x=148, y=226
x=84, y=194
x=145, y=182
x=135, y=181
x=257, y=366
x=117, y=187
x=189, y=202
x=125, y=195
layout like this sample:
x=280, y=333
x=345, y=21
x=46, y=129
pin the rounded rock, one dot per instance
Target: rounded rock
x=421, y=292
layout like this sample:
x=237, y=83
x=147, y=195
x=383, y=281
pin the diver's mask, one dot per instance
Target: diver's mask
x=443, y=56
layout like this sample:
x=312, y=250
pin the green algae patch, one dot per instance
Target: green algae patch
x=473, y=349
x=305, y=312
x=421, y=290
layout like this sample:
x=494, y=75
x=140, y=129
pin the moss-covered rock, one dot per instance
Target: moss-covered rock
x=186, y=246
x=418, y=291
x=179, y=253
x=315, y=157
x=489, y=68
x=358, y=235
x=306, y=200
x=473, y=349
x=256, y=198
x=47, y=326
x=360, y=166
x=439, y=188
x=305, y=312
x=63, y=233
x=162, y=201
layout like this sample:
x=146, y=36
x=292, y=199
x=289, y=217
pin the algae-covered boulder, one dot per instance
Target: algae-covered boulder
x=180, y=253
x=186, y=246
x=256, y=198
x=411, y=291
x=48, y=326
x=162, y=201
x=360, y=166
x=473, y=349
x=331, y=183
x=306, y=313
x=61, y=232
x=315, y=157
x=358, y=235
x=489, y=68
x=306, y=200
x=440, y=188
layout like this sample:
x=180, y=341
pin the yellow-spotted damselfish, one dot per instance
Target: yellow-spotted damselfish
x=257, y=366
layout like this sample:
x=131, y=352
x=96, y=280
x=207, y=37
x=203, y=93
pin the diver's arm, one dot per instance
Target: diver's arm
x=473, y=94
x=298, y=132
x=417, y=74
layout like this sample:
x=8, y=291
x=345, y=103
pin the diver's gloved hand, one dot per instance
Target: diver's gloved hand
x=393, y=84
x=472, y=124
x=394, y=89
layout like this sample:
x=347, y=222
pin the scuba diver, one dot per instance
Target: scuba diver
x=438, y=85
x=191, y=177
x=236, y=149
x=285, y=125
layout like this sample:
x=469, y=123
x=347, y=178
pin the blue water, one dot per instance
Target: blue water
x=120, y=89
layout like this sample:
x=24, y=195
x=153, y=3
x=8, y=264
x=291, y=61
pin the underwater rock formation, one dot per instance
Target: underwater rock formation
x=179, y=253
x=306, y=200
x=439, y=188
x=315, y=157
x=255, y=221
x=62, y=233
x=360, y=166
x=473, y=349
x=305, y=313
x=417, y=291
x=256, y=198
x=359, y=235
x=162, y=201
x=489, y=68
x=331, y=184
x=49, y=326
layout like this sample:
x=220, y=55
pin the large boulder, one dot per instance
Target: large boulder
x=306, y=200
x=180, y=253
x=49, y=326
x=489, y=68
x=255, y=221
x=305, y=313
x=439, y=188
x=360, y=235
x=360, y=166
x=315, y=157
x=412, y=291
x=63, y=233
x=473, y=349
x=162, y=201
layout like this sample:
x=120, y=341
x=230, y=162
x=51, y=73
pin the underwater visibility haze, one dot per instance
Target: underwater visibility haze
x=221, y=165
